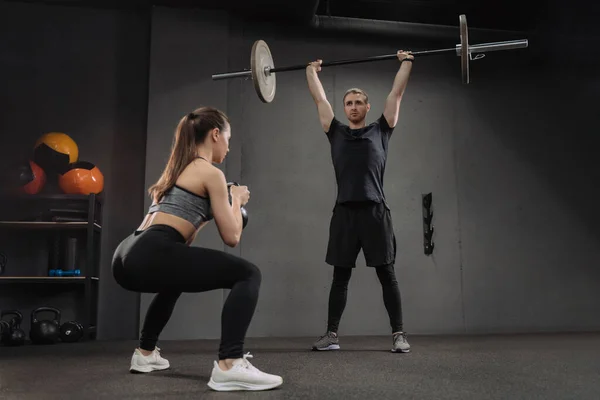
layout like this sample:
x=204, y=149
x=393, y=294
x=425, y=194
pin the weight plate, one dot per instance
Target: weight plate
x=464, y=48
x=264, y=82
x=71, y=332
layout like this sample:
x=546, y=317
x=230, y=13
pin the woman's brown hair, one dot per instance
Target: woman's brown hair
x=191, y=131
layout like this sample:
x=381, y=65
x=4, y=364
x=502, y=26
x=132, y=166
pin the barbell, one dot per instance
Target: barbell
x=262, y=68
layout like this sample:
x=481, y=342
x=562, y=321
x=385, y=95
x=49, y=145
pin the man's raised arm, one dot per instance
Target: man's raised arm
x=392, y=103
x=318, y=94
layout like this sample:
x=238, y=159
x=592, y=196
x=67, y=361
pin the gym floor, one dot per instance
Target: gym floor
x=543, y=366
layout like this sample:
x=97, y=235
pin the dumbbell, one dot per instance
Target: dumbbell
x=60, y=272
x=71, y=332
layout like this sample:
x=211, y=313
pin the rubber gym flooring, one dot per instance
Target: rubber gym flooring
x=541, y=366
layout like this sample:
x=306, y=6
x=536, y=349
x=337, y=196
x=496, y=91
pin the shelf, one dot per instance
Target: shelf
x=48, y=225
x=55, y=215
x=55, y=196
x=45, y=279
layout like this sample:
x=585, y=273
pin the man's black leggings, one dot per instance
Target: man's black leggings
x=157, y=260
x=339, y=294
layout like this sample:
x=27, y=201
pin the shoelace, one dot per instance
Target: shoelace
x=245, y=357
x=246, y=364
x=400, y=337
x=327, y=335
x=156, y=353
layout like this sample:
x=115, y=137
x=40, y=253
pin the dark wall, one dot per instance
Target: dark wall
x=509, y=159
x=514, y=250
x=186, y=47
x=83, y=72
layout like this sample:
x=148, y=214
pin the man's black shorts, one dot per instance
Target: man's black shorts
x=366, y=225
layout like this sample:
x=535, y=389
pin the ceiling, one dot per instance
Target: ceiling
x=513, y=15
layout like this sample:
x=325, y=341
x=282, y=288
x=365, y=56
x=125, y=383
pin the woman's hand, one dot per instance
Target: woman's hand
x=242, y=193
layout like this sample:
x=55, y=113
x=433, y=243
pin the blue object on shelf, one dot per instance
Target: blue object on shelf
x=60, y=272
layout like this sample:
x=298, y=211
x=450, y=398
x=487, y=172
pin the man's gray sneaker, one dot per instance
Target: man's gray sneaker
x=329, y=341
x=400, y=343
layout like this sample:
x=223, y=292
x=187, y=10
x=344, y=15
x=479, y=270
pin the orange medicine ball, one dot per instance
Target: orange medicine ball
x=82, y=177
x=54, y=152
x=36, y=180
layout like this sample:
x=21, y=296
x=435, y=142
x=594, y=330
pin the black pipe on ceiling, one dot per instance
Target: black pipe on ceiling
x=382, y=28
x=398, y=29
x=401, y=30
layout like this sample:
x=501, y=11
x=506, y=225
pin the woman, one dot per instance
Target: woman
x=157, y=258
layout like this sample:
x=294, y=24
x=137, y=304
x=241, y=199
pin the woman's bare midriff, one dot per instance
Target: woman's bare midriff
x=184, y=227
x=188, y=180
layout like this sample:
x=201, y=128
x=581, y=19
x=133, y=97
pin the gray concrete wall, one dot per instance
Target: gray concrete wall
x=526, y=163
x=186, y=47
x=513, y=250
x=292, y=204
x=510, y=160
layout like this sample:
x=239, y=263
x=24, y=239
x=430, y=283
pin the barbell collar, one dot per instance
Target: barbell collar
x=495, y=46
x=229, y=75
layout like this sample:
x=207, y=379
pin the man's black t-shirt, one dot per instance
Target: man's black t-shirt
x=359, y=157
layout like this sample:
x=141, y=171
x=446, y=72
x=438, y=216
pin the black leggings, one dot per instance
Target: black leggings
x=157, y=260
x=339, y=293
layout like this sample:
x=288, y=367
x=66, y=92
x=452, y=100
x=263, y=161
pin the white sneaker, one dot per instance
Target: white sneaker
x=152, y=362
x=242, y=376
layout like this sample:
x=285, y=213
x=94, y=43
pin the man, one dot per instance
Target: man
x=361, y=217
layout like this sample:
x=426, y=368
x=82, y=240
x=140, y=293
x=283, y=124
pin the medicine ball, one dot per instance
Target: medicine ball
x=22, y=176
x=15, y=174
x=54, y=152
x=81, y=177
x=33, y=180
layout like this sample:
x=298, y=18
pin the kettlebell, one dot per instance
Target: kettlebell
x=242, y=209
x=12, y=334
x=45, y=331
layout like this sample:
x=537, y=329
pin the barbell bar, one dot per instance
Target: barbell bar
x=477, y=48
x=262, y=70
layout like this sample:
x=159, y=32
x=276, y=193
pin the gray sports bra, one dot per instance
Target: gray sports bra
x=184, y=204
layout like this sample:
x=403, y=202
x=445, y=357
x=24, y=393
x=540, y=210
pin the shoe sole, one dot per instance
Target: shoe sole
x=238, y=386
x=330, y=347
x=400, y=351
x=146, y=369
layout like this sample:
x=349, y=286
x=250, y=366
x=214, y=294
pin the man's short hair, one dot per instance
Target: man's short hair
x=356, y=91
